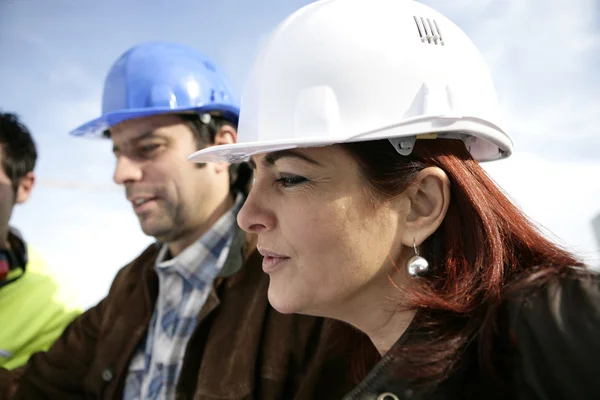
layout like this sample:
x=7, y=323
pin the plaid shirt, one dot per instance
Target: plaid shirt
x=184, y=285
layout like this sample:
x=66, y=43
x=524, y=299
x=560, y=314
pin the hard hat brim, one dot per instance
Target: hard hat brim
x=489, y=143
x=96, y=127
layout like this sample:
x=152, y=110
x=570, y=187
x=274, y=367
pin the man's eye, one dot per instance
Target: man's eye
x=290, y=180
x=147, y=149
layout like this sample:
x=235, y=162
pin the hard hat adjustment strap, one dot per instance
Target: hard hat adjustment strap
x=405, y=145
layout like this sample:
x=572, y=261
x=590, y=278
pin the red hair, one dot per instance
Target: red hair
x=484, y=251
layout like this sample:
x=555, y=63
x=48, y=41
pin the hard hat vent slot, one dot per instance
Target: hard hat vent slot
x=429, y=31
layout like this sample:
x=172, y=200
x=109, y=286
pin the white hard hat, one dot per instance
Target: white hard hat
x=340, y=71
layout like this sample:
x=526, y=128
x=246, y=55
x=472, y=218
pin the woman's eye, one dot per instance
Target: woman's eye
x=290, y=180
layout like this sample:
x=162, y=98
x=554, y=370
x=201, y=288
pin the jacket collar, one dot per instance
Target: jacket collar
x=381, y=379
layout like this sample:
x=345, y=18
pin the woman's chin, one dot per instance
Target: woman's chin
x=285, y=301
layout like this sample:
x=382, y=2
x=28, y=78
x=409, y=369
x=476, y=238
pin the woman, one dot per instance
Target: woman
x=365, y=122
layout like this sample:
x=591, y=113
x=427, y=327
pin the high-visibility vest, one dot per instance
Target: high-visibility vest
x=34, y=311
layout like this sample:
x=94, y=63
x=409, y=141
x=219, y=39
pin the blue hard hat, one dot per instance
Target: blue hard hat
x=156, y=78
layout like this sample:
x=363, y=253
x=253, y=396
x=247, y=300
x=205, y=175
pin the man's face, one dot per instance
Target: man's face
x=171, y=196
x=7, y=200
x=8, y=197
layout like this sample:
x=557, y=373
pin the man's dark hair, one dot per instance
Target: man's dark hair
x=204, y=131
x=19, y=153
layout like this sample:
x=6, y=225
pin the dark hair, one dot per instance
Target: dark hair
x=204, y=134
x=484, y=248
x=18, y=148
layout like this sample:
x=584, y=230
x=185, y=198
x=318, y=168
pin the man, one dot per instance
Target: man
x=35, y=304
x=189, y=318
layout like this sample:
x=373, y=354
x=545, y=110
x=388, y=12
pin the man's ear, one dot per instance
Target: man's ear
x=24, y=189
x=226, y=134
x=429, y=197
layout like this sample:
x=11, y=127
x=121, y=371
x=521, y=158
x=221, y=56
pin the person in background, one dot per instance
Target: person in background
x=35, y=303
x=189, y=318
x=366, y=122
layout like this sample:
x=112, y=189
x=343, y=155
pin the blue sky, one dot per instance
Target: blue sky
x=54, y=55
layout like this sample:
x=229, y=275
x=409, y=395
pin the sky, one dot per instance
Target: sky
x=544, y=56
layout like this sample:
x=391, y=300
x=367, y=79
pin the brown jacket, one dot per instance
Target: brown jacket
x=241, y=348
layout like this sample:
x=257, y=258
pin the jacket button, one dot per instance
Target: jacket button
x=387, y=396
x=107, y=375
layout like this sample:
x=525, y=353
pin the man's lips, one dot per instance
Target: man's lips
x=139, y=202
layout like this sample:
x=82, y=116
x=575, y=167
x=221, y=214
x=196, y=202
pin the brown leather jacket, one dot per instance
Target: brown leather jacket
x=241, y=348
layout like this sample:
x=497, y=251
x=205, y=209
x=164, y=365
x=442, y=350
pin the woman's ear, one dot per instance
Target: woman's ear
x=429, y=197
